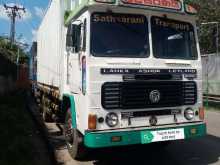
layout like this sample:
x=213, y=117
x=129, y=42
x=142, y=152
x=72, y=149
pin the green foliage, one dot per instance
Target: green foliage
x=66, y=15
x=209, y=12
x=11, y=51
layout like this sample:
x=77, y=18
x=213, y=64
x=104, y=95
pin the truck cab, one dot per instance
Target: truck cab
x=133, y=74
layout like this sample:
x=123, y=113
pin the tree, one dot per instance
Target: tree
x=11, y=51
x=209, y=11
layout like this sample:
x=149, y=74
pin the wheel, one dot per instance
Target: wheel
x=47, y=116
x=74, y=140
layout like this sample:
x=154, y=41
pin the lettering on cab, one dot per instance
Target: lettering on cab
x=169, y=4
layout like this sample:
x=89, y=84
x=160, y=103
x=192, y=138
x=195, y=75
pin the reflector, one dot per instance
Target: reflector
x=116, y=138
x=201, y=113
x=190, y=9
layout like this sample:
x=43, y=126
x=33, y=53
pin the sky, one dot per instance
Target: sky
x=27, y=25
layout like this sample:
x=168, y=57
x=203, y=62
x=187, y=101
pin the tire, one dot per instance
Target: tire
x=74, y=140
x=47, y=117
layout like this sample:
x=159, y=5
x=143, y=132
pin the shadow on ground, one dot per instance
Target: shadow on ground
x=202, y=151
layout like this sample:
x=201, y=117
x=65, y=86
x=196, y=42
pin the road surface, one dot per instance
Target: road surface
x=202, y=151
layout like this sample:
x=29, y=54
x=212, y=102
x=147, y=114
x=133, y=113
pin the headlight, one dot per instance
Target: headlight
x=189, y=114
x=111, y=119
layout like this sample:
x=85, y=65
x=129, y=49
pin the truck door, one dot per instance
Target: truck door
x=76, y=57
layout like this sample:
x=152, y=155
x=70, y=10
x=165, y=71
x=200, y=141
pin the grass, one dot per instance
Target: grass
x=16, y=130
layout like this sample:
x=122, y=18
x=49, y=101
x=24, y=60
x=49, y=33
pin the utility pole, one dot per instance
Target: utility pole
x=13, y=12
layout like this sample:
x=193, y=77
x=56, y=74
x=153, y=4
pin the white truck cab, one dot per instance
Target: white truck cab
x=129, y=72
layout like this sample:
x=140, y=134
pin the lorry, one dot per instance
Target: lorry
x=120, y=72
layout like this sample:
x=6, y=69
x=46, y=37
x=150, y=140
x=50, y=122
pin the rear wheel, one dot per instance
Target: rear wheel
x=74, y=140
x=47, y=116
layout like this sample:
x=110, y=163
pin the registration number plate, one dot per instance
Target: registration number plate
x=162, y=135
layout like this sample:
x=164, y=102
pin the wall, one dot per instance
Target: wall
x=8, y=74
x=12, y=76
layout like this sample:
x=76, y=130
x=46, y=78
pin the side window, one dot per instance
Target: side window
x=84, y=35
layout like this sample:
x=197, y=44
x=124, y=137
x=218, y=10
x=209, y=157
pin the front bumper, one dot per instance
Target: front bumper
x=104, y=139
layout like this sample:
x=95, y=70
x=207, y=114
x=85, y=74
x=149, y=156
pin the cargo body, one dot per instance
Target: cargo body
x=120, y=73
x=50, y=46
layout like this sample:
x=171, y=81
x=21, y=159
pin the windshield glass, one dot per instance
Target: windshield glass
x=173, y=39
x=119, y=35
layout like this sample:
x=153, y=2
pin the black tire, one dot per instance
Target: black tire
x=47, y=117
x=74, y=139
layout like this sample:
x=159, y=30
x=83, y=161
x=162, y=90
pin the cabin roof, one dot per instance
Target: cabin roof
x=75, y=7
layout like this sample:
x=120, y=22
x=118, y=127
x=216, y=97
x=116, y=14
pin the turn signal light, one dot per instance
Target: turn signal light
x=92, y=121
x=201, y=113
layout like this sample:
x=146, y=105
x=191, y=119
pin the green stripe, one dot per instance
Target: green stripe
x=99, y=140
x=72, y=108
x=83, y=6
x=75, y=12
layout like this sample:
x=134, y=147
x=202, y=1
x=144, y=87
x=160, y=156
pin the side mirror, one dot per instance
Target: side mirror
x=69, y=36
x=73, y=37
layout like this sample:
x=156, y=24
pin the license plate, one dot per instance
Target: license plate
x=162, y=135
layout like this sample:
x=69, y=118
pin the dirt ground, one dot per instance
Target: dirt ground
x=40, y=149
x=20, y=139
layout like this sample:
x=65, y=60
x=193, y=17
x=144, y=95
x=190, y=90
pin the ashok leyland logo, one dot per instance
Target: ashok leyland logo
x=154, y=96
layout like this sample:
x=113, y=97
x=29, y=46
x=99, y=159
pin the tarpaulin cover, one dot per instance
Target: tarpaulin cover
x=211, y=74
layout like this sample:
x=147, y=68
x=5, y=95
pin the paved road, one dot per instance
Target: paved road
x=201, y=151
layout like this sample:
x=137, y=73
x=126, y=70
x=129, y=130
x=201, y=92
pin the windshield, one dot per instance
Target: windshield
x=173, y=39
x=119, y=35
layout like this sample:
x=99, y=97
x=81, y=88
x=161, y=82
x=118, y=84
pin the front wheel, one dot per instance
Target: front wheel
x=74, y=140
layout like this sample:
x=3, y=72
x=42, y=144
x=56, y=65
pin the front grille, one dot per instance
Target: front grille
x=135, y=95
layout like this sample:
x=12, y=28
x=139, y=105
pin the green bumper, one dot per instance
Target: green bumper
x=104, y=139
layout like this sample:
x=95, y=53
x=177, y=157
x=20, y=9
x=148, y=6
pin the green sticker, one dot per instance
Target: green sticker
x=146, y=137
